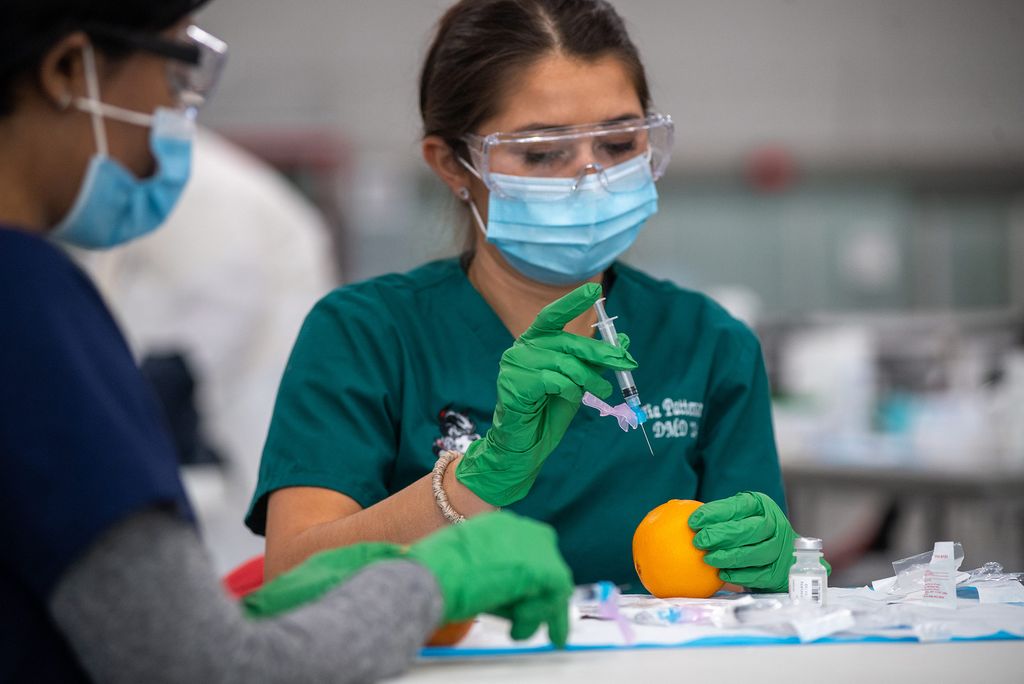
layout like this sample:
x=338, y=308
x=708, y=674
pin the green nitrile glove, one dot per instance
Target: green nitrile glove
x=315, y=577
x=497, y=563
x=541, y=381
x=503, y=564
x=749, y=538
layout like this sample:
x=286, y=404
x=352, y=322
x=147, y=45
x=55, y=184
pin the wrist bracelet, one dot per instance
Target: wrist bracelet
x=440, y=497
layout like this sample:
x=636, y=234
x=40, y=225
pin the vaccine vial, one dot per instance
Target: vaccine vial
x=808, y=579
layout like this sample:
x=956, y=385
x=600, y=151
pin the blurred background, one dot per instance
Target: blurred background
x=848, y=178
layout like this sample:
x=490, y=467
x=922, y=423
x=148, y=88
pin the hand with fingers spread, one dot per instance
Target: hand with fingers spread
x=541, y=381
x=748, y=537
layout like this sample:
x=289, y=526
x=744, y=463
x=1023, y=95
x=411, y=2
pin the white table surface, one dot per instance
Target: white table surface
x=1001, y=662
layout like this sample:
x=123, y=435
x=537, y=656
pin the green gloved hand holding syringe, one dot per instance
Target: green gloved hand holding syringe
x=541, y=381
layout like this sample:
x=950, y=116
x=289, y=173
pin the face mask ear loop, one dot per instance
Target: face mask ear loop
x=476, y=217
x=92, y=88
x=468, y=199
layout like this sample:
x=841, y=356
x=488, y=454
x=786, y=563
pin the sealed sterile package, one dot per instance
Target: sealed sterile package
x=601, y=601
x=824, y=622
x=666, y=615
x=808, y=623
x=1000, y=591
x=651, y=611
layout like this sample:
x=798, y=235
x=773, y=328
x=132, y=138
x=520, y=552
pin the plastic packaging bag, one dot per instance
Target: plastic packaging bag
x=991, y=572
x=993, y=585
x=989, y=583
x=940, y=577
x=910, y=572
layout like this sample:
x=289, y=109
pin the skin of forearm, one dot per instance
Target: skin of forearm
x=402, y=518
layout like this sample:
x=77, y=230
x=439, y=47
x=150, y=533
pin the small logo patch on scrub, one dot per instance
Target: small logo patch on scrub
x=457, y=431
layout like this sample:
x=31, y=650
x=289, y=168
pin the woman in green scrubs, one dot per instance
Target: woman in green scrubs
x=388, y=374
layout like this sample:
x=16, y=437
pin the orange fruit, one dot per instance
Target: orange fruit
x=451, y=634
x=667, y=562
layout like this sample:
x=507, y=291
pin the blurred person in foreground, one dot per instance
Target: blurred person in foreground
x=210, y=305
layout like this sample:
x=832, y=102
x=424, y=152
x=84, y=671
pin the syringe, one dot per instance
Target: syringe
x=630, y=394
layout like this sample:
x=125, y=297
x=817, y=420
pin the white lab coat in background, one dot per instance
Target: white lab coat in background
x=227, y=280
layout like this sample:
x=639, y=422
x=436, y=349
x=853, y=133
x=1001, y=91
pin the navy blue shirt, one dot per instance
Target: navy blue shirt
x=82, y=444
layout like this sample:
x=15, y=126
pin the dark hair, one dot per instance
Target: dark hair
x=31, y=27
x=481, y=44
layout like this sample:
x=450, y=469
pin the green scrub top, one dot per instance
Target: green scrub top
x=387, y=372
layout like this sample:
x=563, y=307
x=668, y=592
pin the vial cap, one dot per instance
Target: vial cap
x=807, y=544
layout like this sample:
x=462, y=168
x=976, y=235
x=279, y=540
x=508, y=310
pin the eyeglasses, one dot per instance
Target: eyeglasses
x=196, y=57
x=504, y=160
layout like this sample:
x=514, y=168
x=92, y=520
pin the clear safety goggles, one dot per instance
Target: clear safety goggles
x=195, y=58
x=504, y=160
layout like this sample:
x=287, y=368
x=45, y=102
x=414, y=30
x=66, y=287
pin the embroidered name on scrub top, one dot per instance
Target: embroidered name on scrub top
x=675, y=418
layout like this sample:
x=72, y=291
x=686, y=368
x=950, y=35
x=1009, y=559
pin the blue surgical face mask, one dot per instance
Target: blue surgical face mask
x=555, y=235
x=113, y=206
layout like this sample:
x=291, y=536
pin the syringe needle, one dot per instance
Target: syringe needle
x=605, y=326
x=647, y=440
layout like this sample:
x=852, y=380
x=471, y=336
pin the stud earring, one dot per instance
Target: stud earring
x=464, y=193
x=64, y=101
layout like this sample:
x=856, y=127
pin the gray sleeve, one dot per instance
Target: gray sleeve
x=144, y=604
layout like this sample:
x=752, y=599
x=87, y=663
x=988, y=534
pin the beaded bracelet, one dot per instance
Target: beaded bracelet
x=440, y=497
